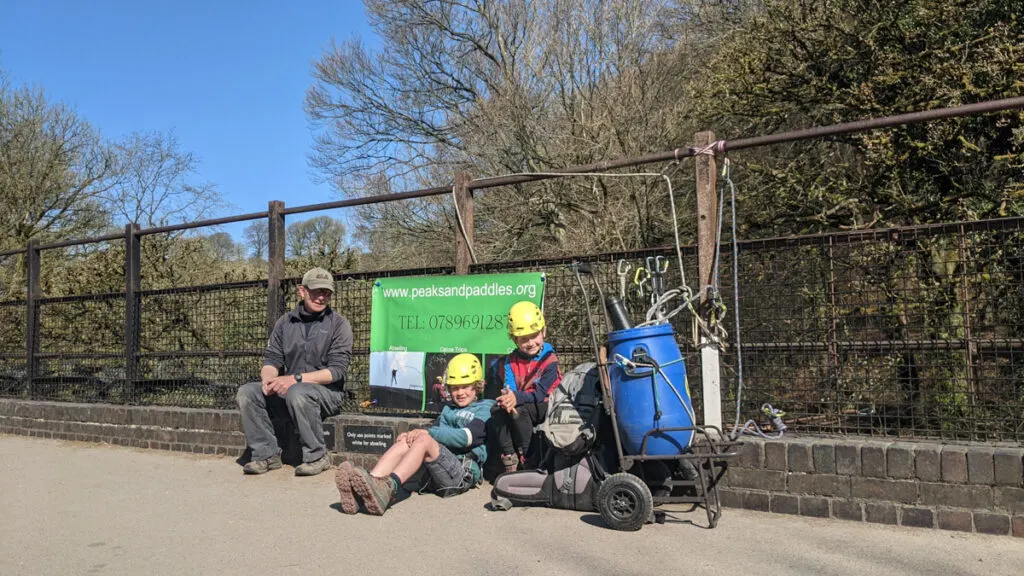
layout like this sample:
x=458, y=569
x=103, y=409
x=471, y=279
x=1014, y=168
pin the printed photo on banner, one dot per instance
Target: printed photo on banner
x=396, y=379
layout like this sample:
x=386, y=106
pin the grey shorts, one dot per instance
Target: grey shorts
x=449, y=472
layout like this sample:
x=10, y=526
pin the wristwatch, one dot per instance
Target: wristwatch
x=298, y=377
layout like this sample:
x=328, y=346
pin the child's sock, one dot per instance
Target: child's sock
x=395, y=480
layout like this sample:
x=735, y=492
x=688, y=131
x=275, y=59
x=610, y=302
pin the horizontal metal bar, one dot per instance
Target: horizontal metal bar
x=246, y=352
x=202, y=223
x=367, y=200
x=79, y=355
x=203, y=353
x=888, y=345
x=91, y=240
x=13, y=303
x=875, y=123
x=13, y=252
x=496, y=181
x=374, y=274
x=741, y=143
x=82, y=298
x=892, y=234
x=676, y=154
x=205, y=288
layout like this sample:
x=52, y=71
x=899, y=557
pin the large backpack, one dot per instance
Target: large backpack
x=573, y=410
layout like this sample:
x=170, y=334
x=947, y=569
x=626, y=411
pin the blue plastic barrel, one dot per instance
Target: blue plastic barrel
x=644, y=403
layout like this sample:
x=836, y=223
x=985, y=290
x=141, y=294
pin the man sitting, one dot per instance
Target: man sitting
x=303, y=376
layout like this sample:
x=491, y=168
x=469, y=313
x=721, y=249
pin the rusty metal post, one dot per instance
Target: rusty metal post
x=275, y=262
x=833, y=327
x=970, y=348
x=132, y=308
x=32, y=257
x=707, y=244
x=463, y=231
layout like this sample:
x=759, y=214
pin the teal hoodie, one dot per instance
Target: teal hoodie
x=464, y=432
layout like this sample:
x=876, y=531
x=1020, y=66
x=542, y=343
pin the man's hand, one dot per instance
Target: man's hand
x=507, y=400
x=278, y=385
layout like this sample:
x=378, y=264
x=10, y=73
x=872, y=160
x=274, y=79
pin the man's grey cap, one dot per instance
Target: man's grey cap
x=318, y=278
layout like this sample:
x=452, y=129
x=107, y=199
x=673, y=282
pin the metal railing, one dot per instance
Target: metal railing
x=913, y=331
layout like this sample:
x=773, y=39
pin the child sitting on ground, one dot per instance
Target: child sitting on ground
x=452, y=450
x=527, y=375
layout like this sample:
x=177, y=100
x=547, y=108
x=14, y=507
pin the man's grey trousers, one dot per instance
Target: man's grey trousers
x=306, y=404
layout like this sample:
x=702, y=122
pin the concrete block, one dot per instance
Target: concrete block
x=1017, y=527
x=775, y=456
x=954, y=464
x=1008, y=465
x=956, y=496
x=755, y=501
x=729, y=497
x=1010, y=499
x=819, y=484
x=903, y=491
x=756, y=478
x=751, y=454
x=899, y=461
x=979, y=466
x=872, y=461
x=785, y=504
x=917, y=517
x=880, y=512
x=848, y=459
x=815, y=506
x=986, y=523
x=847, y=509
x=824, y=454
x=800, y=459
x=957, y=520
x=927, y=462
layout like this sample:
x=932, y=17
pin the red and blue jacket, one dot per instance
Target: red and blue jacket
x=530, y=378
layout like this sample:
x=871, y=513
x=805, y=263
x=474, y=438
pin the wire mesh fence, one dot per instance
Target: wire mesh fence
x=910, y=332
x=198, y=344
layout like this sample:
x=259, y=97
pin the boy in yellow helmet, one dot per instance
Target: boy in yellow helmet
x=527, y=375
x=452, y=450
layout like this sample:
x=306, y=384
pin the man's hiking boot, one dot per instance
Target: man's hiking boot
x=263, y=466
x=315, y=467
x=376, y=493
x=342, y=478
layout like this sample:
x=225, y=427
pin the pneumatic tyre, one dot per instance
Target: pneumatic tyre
x=625, y=502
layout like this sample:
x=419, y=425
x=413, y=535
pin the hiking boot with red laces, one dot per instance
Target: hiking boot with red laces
x=343, y=480
x=376, y=493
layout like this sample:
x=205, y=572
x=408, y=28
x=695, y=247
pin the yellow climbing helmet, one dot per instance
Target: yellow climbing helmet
x=525, y=318
x=464, y=369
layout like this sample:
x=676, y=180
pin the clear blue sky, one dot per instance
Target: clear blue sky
x=228, y=77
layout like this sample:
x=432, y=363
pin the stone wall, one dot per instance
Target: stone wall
x=179, y=429
x=969, y=488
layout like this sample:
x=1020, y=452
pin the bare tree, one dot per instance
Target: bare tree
x=156, y=183
x=53, y=170
x=223, y=247
x=497, y=87
x=256, y=236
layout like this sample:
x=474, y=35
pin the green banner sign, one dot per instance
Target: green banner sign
x=418, y=324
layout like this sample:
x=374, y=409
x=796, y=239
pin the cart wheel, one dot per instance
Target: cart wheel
x=625, y=502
